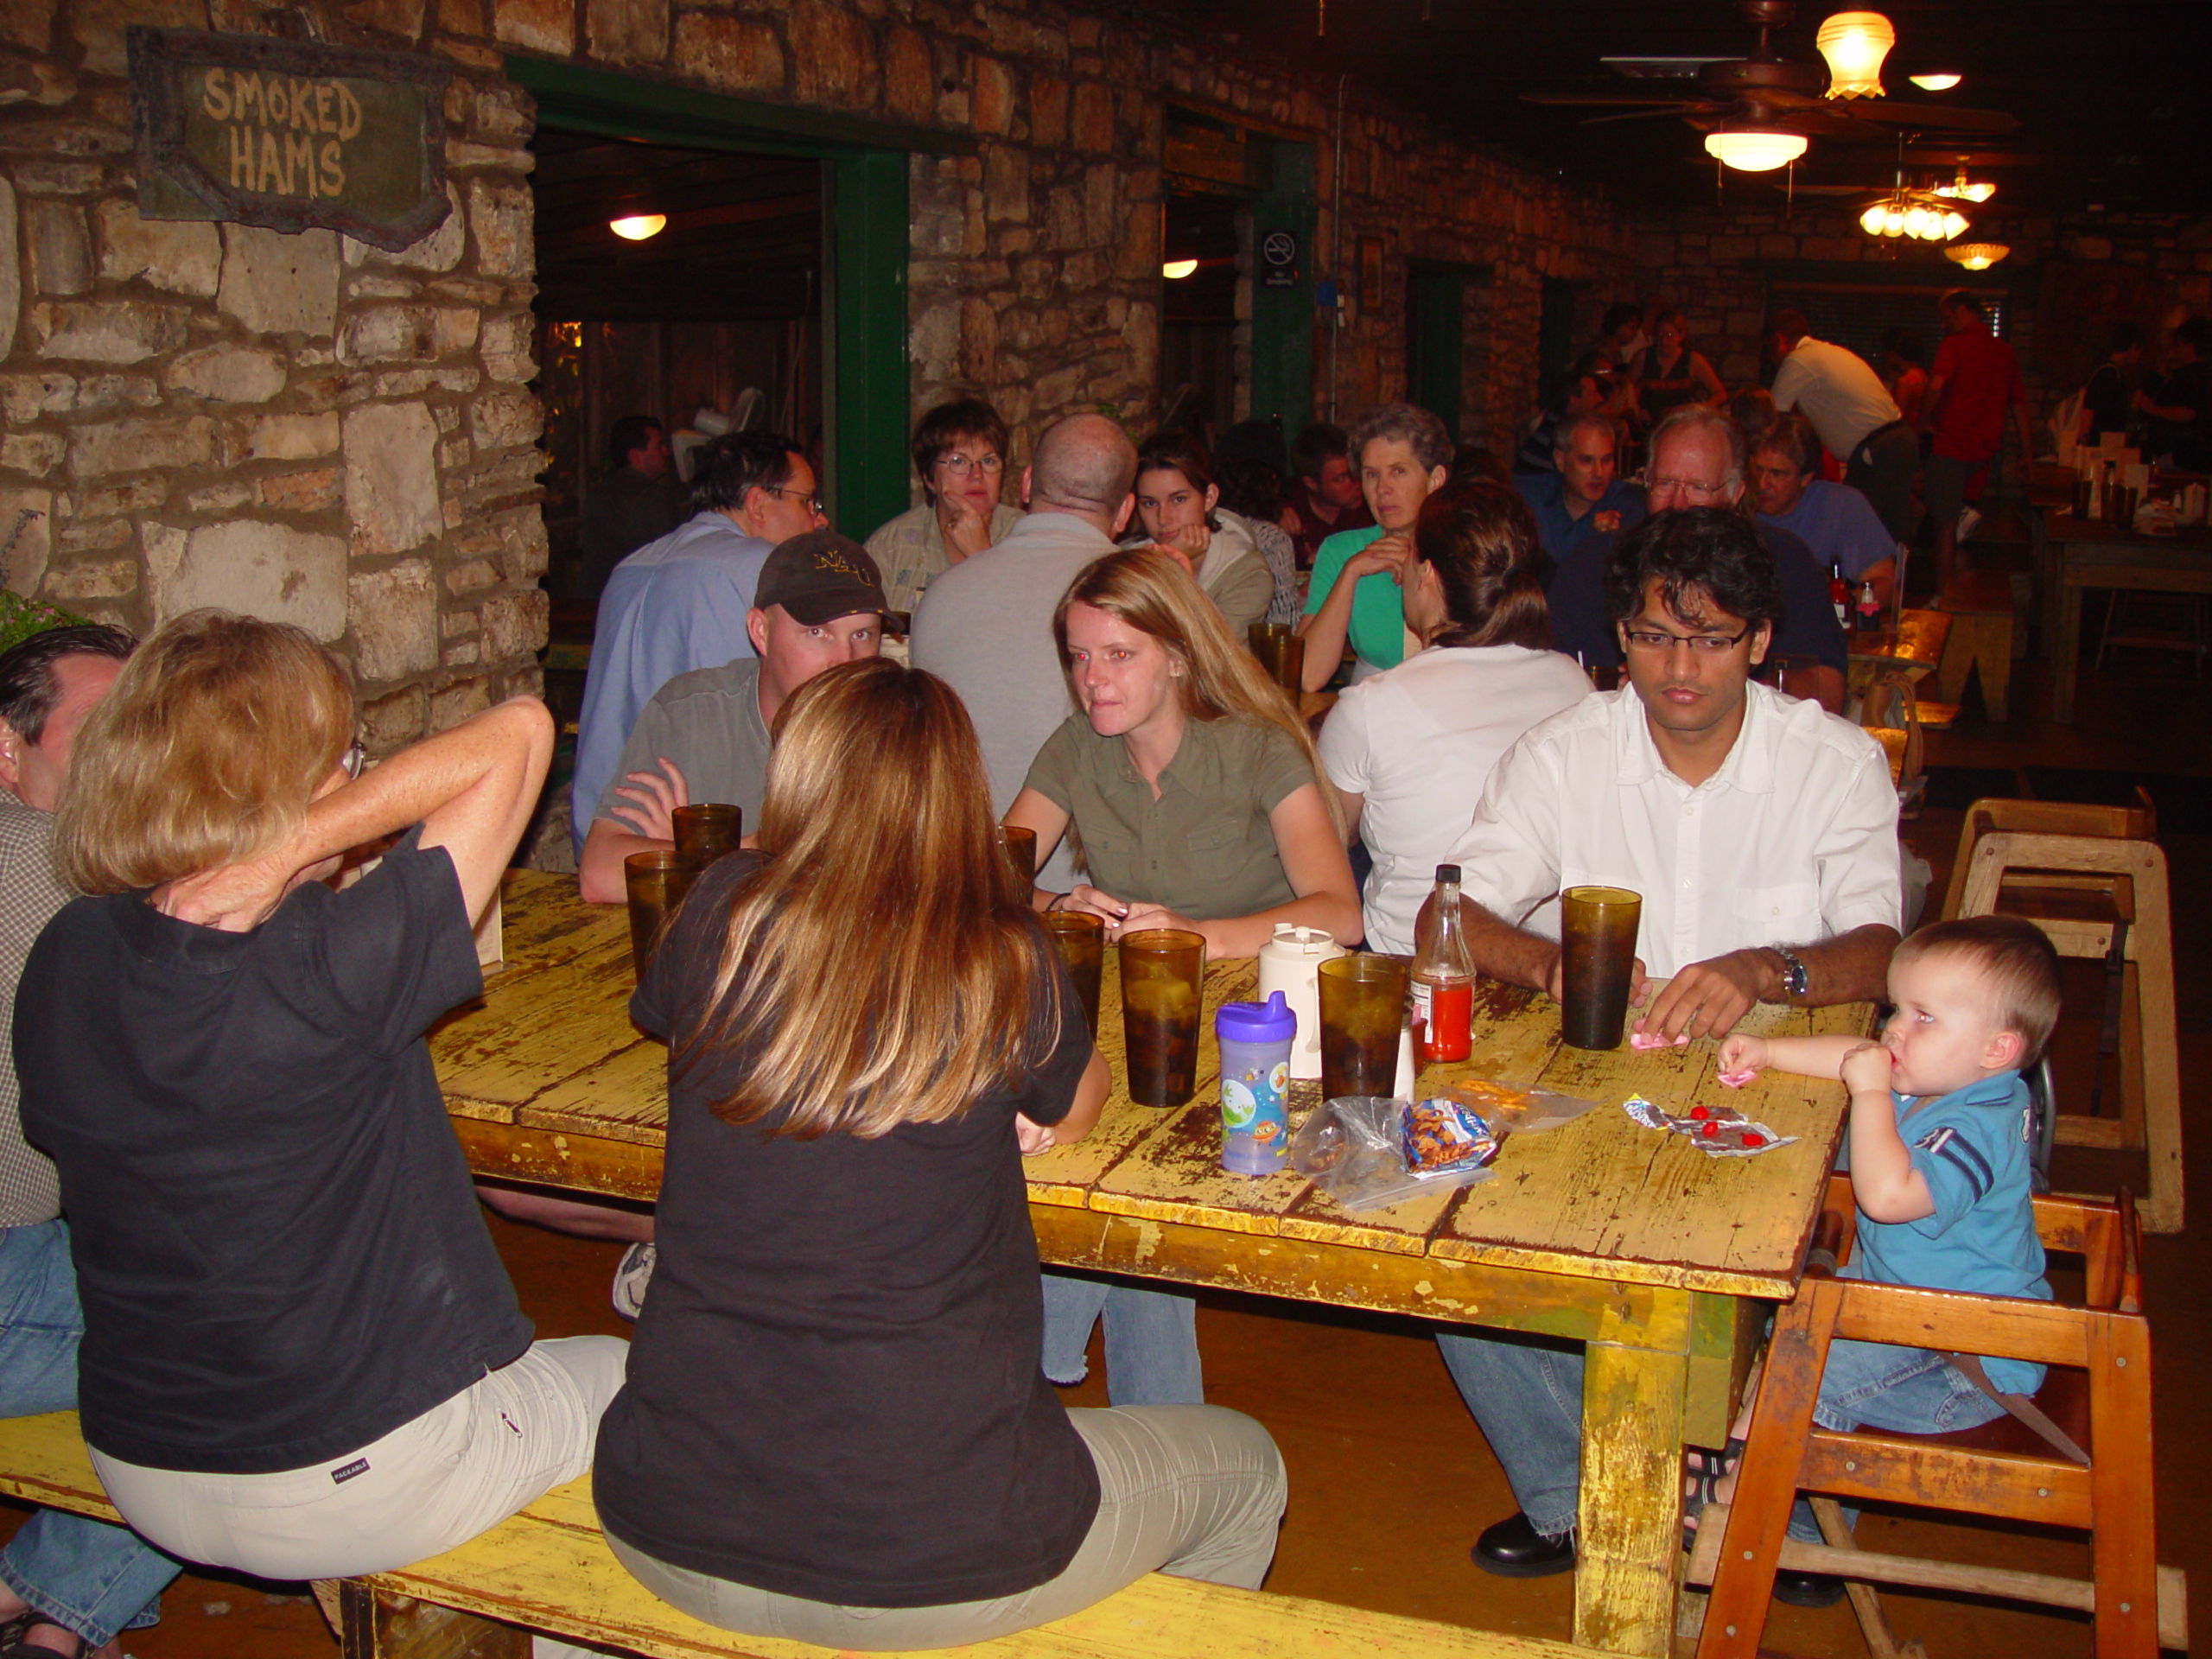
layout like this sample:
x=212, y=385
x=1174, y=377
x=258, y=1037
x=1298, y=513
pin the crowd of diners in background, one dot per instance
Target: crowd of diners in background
x=243, y=1242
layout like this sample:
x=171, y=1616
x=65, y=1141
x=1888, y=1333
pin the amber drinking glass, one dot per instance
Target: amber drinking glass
x=655, y=882
x=1362, y=1010
x=1597, y=944
x=1163, y=972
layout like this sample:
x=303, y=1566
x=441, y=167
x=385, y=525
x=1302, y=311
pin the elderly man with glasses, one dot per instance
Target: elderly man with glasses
x=1760, y=832
x=1697, y=461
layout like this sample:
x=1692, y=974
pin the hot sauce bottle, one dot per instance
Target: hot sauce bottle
x=1443, y=976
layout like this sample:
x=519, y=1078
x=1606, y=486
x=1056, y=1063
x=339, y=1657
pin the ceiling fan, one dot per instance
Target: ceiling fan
x=1769, y=92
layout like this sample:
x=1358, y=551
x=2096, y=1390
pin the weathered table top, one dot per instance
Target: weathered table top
x=551, y=1050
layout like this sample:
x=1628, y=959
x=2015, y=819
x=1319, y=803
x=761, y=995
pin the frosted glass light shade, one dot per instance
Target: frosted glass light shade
x=1854, y=43
x=1755, y=151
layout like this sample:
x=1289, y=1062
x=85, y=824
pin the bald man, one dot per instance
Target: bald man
x=986, y=625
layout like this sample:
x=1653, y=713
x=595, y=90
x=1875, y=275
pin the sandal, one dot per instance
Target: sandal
x=1702, y=1472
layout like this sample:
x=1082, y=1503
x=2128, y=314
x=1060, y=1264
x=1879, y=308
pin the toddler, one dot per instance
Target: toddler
x=1942, y=1134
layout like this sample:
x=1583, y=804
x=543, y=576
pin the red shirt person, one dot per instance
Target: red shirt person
x=1976, y=379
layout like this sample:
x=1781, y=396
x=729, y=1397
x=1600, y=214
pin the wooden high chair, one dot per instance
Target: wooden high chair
x=2098, y=1395
x=2097, y=886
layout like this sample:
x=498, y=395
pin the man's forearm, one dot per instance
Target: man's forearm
x=1853, y=967
x=1502, y=951
x=412, y=784
x=598, y=872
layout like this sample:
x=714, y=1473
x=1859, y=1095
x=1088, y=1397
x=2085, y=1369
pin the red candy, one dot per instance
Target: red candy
x=1753, y=1139
x=1700, y=1111
x=1710, y=1128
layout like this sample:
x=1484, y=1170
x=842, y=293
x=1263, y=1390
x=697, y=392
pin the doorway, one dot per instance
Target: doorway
x=711, y=323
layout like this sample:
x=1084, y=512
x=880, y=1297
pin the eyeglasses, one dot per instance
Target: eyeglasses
x=812, y=503
x=356, y=757
x=1701, y=492
x=960, y=465
x=1705, y=644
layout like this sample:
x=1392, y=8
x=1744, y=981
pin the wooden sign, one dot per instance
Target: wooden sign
x=289, y=136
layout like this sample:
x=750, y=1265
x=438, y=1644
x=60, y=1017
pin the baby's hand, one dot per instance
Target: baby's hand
x=1742, y=1053
x=1867, y=1068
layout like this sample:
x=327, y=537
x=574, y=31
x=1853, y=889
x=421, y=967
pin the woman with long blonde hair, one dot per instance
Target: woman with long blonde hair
x=835, y=1428
x=302, y=1357
x=1197, y=801
x=1187, y=777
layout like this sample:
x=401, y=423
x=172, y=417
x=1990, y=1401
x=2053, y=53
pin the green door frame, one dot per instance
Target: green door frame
x=1436, y=340
x=1283, y=318
x=865, y=382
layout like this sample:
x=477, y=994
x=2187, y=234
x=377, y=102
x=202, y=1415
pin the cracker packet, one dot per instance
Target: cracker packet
x=1441, y=1137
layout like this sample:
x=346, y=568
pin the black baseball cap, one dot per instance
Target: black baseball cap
x=819, y=577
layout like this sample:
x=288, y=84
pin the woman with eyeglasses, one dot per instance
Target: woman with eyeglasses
x=302, y=1357
x=959, y=451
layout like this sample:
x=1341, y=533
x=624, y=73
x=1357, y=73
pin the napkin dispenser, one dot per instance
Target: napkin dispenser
x=1291, y=963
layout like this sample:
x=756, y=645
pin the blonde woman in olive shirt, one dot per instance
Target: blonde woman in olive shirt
x=1189, y=780
x=1195, y=793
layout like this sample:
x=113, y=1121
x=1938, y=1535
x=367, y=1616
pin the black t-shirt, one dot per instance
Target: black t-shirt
x=2106, y=400
x=2189, y=442
x=277, y=1245
x=1807, y=627
x=833, y=1390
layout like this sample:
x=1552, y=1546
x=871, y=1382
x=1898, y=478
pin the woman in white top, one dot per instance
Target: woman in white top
x=1409, y=750
x=1179, y=508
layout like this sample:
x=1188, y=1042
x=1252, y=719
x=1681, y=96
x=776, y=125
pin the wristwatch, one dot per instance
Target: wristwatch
x=1794, y=977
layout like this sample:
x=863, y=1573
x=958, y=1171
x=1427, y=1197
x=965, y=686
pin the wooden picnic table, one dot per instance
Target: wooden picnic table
x=1658, y=1256
x=2081, y=553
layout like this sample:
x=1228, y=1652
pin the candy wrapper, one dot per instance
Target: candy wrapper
x=1515, y=1111
x=1441, y=1137
x=1720, y=1131
x=1352, y=1148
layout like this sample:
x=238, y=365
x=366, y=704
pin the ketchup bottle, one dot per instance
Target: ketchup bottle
x=1443, y=976
x=1839, y=596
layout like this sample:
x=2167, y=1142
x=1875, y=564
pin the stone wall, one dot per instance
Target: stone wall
x=305, y=428
x=297, y=426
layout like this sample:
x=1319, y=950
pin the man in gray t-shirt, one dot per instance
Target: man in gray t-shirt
x=704, y=734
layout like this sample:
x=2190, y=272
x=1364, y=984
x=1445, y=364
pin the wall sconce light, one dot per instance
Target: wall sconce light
x=1977, y=256
x=638, y=226
x=1854, y=43
x=1176, y=269
x=1754, y=149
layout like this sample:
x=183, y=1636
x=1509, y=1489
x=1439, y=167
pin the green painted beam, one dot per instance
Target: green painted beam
x=867, y=323
x=1283, y=318
x=628, y=106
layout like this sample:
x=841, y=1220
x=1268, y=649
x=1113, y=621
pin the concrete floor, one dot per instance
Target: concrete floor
x=1390, y=1481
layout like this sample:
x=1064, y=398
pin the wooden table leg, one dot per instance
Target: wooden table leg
x=2066, y=646
x=1628, y=1554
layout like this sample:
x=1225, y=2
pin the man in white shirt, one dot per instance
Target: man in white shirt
x=1839, y=393
x=1760, y=832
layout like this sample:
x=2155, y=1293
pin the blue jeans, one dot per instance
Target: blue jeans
x=90, y=1578
x=1152, y=1339
x=1527, y=1397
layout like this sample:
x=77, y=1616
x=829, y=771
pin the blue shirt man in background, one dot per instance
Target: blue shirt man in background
x=1585, y=496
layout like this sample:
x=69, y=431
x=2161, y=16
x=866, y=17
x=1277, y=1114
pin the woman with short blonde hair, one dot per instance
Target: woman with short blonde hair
x=867, y=1026
x=302, y=1358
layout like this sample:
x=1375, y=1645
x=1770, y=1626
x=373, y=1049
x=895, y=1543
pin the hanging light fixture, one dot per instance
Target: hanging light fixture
x=1977, y=256
x=1176, y=269
x=1854, y=43
x=1960, y=189
x=1914, y=214
x=637, y=227
x=1934, y=83
x=1754, y=149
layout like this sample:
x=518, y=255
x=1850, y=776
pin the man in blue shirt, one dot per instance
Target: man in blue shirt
x=1837, y=523
x=681, y=603
x=1585, y=496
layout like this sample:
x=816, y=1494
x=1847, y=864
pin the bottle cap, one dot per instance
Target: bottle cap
x=1270, y=1021
x=1447, y=872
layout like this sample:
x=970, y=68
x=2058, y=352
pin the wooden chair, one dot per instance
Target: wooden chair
x=2098, y=1392
x=2101, y=895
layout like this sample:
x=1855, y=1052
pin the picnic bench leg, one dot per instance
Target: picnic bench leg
x=2066, y=661
x=1628, y=1554
x=380, y=1624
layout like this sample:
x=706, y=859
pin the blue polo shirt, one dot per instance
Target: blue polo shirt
x=1840, y=525
x=1559, y=531
x=1973, y=1147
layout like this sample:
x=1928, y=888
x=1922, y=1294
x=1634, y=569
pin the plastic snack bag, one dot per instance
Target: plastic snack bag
x=1718, y=1131
x=1352, y=1149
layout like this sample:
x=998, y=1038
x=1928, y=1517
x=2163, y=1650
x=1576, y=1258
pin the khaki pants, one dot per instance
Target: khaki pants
x=1197, y=1491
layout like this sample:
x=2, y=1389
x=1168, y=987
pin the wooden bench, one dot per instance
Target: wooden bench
x=1979, y=603
x=548, y=1570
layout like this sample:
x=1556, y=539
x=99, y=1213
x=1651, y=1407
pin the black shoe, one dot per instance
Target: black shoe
x=1808, y=1589
x=1514, y=1549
